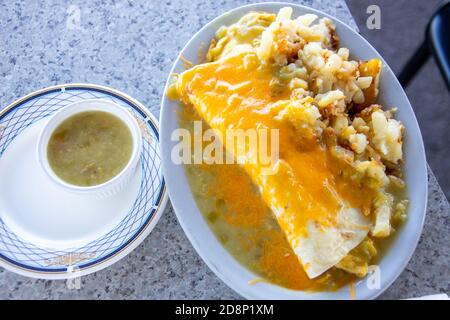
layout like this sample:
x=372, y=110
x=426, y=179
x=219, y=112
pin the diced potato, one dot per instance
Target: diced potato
x=329, y=98
x=333, y=63
x=342, y=154
x=344, y=53
x=303, y=115
x=371, y=68
x=347, y=132
x=364, y=82
x=307, y=19
x=399, y=215
x=340, y=123
x=284, y=14
x=373, y=171
x=387, y=136
x=358, y=97
x=358, y=260
x=360, y=125
x=358, y=142
x=383, y=210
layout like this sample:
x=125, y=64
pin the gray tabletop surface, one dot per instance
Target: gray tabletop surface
x=130, y=46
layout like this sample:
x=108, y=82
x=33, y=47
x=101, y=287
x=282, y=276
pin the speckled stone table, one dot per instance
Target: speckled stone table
x=130, y=46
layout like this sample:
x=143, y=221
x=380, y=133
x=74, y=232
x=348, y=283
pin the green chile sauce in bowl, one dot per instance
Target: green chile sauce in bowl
x=90, y=147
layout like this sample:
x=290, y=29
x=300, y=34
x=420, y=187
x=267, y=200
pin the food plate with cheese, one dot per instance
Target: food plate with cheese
x=338, y=212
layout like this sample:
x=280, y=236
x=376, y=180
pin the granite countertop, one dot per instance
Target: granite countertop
x=130, y=46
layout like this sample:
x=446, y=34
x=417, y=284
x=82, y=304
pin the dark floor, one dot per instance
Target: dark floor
x=403, y=25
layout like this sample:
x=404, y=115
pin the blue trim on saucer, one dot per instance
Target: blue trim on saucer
x=24, y=266
x=115, y=96
x=26, y=100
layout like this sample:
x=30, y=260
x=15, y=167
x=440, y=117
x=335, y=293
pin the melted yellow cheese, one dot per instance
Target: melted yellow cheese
x=235, y=92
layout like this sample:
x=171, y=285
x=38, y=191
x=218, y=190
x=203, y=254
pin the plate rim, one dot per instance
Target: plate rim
x=140, y=235
x=423, y=206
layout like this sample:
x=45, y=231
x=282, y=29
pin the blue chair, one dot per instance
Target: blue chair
x=437, y=42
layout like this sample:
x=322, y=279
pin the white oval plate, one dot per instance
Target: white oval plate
x=48, y=232
x=201, y=236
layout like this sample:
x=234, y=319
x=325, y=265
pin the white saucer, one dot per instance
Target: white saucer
x=46, y=231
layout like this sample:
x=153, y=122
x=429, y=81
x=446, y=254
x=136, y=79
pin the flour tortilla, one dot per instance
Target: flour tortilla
x=323, y=247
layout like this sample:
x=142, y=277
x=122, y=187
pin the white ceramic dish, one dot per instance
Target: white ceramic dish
x=53, y=233
x=201, y=236
x=113, y=185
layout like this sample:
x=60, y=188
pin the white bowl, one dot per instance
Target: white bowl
x=119, y=181
x=202, y=238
